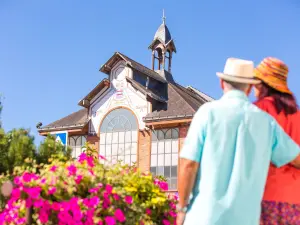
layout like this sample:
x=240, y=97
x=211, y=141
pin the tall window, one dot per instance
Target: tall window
x=76, y=143
x=118, y=136
x=164, y=155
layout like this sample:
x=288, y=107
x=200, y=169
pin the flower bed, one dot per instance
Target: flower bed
x=87, y=192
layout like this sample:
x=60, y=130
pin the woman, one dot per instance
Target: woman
x=281, y=201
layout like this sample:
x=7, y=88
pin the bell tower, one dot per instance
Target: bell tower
x=162, y=48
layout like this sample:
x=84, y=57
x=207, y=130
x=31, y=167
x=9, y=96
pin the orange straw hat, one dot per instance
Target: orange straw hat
x=274, y=73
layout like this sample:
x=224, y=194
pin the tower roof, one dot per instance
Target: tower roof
x=163, y=34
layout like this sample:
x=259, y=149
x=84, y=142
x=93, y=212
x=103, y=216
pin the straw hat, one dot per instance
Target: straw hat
x=274, y=73
x=239, y=71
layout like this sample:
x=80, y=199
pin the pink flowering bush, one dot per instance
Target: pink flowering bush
x=87, y=192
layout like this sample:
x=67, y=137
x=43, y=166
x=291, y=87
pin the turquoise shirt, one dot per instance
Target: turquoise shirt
x=234, y=142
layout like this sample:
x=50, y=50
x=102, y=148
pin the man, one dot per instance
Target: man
x=227, y=153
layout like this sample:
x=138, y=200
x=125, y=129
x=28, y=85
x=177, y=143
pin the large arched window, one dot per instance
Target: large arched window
x=164, y=155
x=118, y=136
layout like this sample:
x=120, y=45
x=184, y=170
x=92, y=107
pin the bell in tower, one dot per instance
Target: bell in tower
x=162, y=48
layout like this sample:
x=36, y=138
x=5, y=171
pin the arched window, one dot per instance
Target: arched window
x=164, y=155
x=76, y=143
x=118, y=136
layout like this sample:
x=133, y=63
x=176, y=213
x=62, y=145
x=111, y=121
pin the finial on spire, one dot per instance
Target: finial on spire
x=164, y=18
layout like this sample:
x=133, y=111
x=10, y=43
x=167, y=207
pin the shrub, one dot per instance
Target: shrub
x=88, y=191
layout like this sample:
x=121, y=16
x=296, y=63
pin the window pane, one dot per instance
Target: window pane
x=167, y=159
x=175, y=133
x=115, y=137
x=102, y=138
x=72, y=141
x=168, y=146
x=153, y=160
x=160, y=171
x=102, y=150
x=134, y=136
x=168, y=134
x=160, y=160
x=174, y=159
x=128, y=137
x=161, y=135
x=133, y=158
x=108, y=138
x=154, y=148
x=127, y=159
x=167, y=171
x=127, y=149
x=173, y=171
x=108, y=150
x=174, y=146
x=83, y=141
x=108, y=159
x=134, y=148
x=173, y=184
x=121, y=137
x=154, y=135
x=114, y=149
x=161, y=147
x=153, y=170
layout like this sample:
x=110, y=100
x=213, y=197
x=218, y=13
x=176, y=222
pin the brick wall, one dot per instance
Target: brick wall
x=144, y=150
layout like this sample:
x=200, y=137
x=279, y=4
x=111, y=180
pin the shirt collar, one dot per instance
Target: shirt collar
x=235, y=94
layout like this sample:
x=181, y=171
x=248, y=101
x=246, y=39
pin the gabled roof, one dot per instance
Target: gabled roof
x=76, y=120
x=107, y=67
x=103, y=85
x=181, y=104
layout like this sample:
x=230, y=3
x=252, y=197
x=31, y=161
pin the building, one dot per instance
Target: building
x=136, y=114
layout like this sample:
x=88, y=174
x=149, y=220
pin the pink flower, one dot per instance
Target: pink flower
x=33, y=192
x=43, y=216
x=53, y=168
x=108, y=188
x=100, y=222
x=148, y=212
x=172, y=214
x=166, y=222
x=94, y=201
x=82, y=157
x=116, y=197
x=78, y=179
x=109, y=220
x=128, y=199
x=38, y=203
x=94, y=190
x=55, y=206
x=51, y=190
x=72, y=170
x=102, y=157
x=163, y=186
x=120, y=215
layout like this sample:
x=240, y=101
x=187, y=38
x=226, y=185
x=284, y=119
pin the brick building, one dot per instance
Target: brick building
x=136, y=114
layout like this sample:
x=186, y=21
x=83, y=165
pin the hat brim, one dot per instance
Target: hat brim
x=242, y=80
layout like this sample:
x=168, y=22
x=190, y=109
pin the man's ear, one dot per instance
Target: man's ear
x=222, y=84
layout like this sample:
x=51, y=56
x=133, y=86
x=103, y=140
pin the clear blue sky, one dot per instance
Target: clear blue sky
x=51, y=51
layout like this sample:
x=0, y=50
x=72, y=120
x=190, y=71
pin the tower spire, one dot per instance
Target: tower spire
x=164, y=18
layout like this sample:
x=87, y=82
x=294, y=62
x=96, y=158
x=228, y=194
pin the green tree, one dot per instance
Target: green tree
x=15, y=146
x=49, y=148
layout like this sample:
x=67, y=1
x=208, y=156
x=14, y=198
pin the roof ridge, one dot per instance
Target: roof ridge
x=206, y=95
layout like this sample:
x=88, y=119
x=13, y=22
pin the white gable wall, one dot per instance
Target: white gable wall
x=120, y=94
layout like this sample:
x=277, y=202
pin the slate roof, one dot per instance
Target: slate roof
x=163, y=34
x=73, y=121
x=181, y=104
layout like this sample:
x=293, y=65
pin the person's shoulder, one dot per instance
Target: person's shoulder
x=265, y=103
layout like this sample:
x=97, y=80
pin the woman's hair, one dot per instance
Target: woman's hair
x=282, y=101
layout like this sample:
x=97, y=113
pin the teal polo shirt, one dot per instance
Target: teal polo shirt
x=234, y=142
